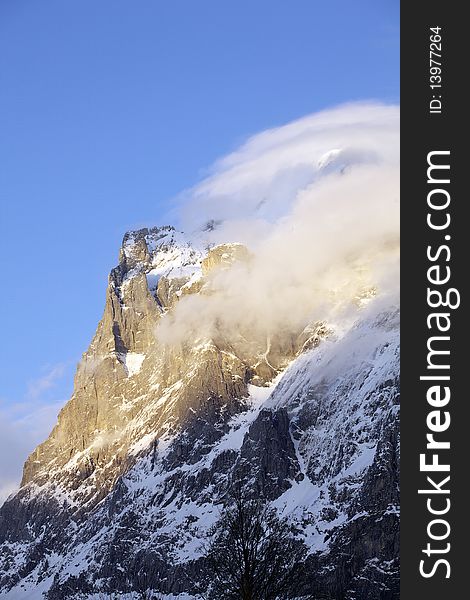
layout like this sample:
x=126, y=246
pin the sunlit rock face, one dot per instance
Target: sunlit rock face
x=130, y=479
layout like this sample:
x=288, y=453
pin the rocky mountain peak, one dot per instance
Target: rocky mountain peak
x=131, y=477
x=224, y=256
x=126, y=370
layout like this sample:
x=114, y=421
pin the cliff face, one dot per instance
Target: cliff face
x=121, y=494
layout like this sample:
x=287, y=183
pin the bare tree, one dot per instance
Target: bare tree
x=252, y=554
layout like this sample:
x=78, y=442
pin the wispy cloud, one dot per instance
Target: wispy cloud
x=316, y=202
x=25, y=424
x=22, y=428
x=45, y=382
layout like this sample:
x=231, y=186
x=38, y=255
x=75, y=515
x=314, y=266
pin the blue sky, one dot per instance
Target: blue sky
x=109, y=109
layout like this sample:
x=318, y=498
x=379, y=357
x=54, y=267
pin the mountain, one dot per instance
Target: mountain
x=122, y=493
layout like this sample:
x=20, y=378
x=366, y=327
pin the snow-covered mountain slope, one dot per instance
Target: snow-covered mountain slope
x=123, y=492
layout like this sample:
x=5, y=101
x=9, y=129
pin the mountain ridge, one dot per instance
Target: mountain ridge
x=130, y=479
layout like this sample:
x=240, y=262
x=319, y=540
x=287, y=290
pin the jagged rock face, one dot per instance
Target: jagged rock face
x=223, y=256
x=120, y=495
x=127, y=385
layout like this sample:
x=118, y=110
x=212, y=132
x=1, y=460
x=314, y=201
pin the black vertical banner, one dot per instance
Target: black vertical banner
x=435, y=254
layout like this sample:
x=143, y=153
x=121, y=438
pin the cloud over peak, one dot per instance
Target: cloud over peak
x=317, y=203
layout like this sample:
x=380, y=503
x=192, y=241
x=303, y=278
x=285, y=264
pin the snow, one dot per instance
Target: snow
x=337, y=160
x=32, y=591
x=138, y=596
x=362, y=461
x=171, y=256
x=133, y=362
x=328, y=158
x=339, y=377
x=194, y=278
x=142, y=444
x=240, y=423
x=29, y=590
x=172, y=268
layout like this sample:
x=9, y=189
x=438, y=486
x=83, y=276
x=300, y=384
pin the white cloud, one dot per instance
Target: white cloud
x=22, y=428
x=317, y=202
x=262, y=178
x=24, y=425
x=45, y=382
